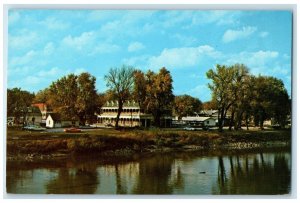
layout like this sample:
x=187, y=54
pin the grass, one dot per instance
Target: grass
x=128, y=141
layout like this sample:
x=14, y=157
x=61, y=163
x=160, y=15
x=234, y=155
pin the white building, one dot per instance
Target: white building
x=131, y=116
x=54, y=120
x=200, y=121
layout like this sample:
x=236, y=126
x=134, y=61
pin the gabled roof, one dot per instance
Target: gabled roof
x=126, y=104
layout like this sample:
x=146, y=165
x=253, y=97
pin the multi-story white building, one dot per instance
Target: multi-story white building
x=131, y=116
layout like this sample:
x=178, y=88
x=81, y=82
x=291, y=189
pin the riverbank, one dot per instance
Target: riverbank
x=110, y=142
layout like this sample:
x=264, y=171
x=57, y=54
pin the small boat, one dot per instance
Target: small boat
x=72, y=130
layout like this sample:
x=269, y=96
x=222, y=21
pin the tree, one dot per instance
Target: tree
x=228, y=92
x=120, y=81
x=63, y=96
x=41, y=96
x=159, y=94
x=74, y=96
x=209, y=105
x=139, y=89
x=222, y=90
x=271, y=101
x=239, y=84
x=186, y=105
x=87, y=95
x=18, y=103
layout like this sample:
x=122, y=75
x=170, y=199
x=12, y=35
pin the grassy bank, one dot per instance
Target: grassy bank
x=126, y=142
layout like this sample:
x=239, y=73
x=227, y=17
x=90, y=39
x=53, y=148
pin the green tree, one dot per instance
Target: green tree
x=271, y=101
x=74, y=97
x=222, y=90
x=42, y=96
x=139, y=89
x=159, y=94
x=186, y=105
x=87, y=95
x=210, y=105
x=238, y=87
x=63, y=96
x=18, y=103
x=120, y=81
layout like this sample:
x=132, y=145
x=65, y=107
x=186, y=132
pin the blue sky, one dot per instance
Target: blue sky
x=44, y=45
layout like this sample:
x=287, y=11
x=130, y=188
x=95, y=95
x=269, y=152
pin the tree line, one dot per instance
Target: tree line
x=233, y=89
x=247, y=97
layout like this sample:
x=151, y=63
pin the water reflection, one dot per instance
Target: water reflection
x=258, y=174
x=155, y=176
x=81, y=180
x=181, y=173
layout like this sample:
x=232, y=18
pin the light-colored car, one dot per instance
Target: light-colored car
x=189, y=128
x=33, y=128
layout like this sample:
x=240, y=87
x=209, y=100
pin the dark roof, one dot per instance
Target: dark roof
x=59, y=117
x=55, y=116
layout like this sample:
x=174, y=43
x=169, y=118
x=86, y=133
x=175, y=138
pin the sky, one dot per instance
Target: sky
x=45, y=45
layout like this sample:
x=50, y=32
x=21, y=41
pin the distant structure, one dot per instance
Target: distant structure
x=33, y=116
x=55, y=120
x=199, y=121
x=45, y=111
x=131, y=116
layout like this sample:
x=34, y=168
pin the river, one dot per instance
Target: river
x=257, y=172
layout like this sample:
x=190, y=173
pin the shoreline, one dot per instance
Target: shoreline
x=111, y=143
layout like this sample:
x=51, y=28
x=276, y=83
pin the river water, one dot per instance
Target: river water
x=198, y=173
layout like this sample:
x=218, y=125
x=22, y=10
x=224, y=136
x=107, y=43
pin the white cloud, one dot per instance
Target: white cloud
x=80, y=42
x=183, y=57
x=22, y=40
x=55, y=71
x=105, y=48
x=185, y=40
x=48, y=49
x=135, y=46
x=22, y=60
x=263, y=34
x=55, y=24
x=259, y=62
x=32, y=80
x=232, y=35
x=220, y=17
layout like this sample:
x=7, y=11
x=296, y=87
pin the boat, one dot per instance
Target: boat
x=72, y=130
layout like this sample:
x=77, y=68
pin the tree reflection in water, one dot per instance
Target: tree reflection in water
x=155, y=176
x=260, y=177
x=82, y=179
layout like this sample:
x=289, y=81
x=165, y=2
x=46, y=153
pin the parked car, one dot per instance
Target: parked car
x=72, y=130
x=189, y=128
x=33, y=128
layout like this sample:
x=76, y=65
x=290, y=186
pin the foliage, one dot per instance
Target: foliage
x=186, y=105
x=225, y=87
x=18, y=102
x=120, y=82
x=246, y=96
x=159, y=94
x=74, y=96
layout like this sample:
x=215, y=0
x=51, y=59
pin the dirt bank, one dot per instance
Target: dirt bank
x=110, y=142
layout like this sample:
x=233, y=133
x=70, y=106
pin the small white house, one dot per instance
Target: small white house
x=54, y=120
